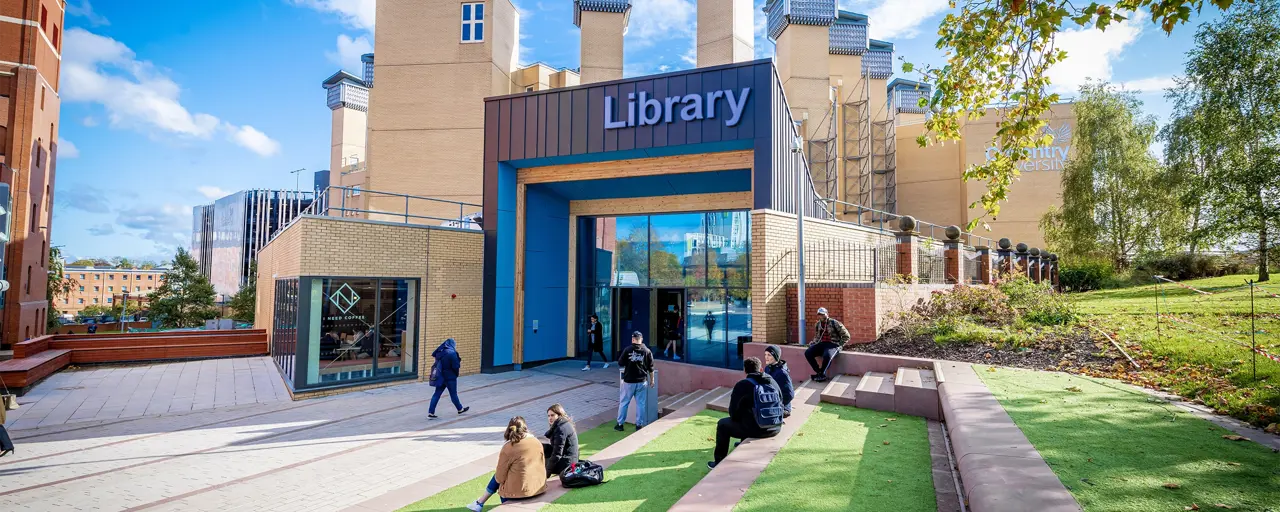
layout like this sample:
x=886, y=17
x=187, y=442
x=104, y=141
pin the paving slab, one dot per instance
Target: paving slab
x=841, y=390
x=875, y=391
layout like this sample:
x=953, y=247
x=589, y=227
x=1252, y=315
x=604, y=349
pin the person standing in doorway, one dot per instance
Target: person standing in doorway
x=595, y=342
x=635, y=367
x=444, y=376
x=830, y=337
x=709, y=321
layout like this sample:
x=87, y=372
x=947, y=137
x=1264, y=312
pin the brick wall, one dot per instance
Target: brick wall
x=773, y=239
x=448, y=262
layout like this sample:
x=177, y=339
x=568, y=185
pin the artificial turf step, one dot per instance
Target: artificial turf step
x=845, y=458
x=455, y=498
x=653, y=477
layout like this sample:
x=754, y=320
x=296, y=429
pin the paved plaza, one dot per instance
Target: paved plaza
x=261, y=451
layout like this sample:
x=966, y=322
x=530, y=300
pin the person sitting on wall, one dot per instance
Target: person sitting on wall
x=777, y=369
x=830, y=337
x=562, y=449
x=520, y=467
x=755, y=410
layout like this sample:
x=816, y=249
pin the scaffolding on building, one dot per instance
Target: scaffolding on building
x=823, y=162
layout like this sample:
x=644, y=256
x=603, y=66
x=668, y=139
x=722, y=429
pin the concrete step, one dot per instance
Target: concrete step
x=718, y=399
x=916, y=393
x=665, y=403
x=875, y=391
x=840, y=390
x=689, y=398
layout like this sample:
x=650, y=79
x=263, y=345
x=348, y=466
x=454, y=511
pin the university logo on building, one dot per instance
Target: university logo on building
x=1044, y=158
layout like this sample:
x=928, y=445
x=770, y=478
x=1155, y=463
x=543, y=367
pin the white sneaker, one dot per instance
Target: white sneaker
x=474, y=507
x=585, y=368
x=606, y=366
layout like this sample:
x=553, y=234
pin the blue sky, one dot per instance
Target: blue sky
x=166, y=105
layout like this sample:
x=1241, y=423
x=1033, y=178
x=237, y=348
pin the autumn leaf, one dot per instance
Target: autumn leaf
x=1192, y=507
x=1221, y=505
x=1233, y=463
x=1233, y=438
x=886, y=443
x=1075, y=389
x=1171, y=485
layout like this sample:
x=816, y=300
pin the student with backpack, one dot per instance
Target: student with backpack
x=444, y=376
x=777, y=369
x=755, y=410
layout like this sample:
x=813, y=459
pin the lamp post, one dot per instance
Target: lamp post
x=797, y=145
x=124, y=307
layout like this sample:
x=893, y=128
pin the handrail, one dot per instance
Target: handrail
x=321, y=207
x=932, y=230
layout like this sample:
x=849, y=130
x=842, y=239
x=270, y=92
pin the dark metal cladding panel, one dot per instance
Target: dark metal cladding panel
x=595, y=120
x=660, y=131
x=676, y=130
x=487, y=307
x=644, y=134
x=552, y=145
x=504, y=130
x=729, y=82
x=619, y=114
x=712, y=126
x=517, y=128
x=531, y=127
x=543, y=127
x=580, y=99
x=566, y=123
x=746, y=78
x=491, y=131
x=627, y=136
x=693, y=85
x=762, y=88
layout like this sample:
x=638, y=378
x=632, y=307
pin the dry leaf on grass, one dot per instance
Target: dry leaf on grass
x=1075, y=389
x=1220, y=505
x=1233, y=438
x=891, y=419
x=886, y=443
x=1233, y=463
x=1192, y=507
x=883, y=425
x=1171, y=485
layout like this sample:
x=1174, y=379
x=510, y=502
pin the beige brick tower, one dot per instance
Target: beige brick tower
x=603, y=23
x=436, y=62
x=348, y=100
x=800, y=28
x=725, y=32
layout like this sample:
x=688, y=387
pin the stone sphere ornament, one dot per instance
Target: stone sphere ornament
x=907, y=223
x=1005, y=243
x=952, y=232
x=1022, y=248
x=1035, y=251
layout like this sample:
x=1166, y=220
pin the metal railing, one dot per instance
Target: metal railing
x=886, y=222
x=931, y=265
x=353, y=202
x=971, y=261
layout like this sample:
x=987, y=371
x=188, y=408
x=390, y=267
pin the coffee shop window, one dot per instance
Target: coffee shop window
x=354, y=330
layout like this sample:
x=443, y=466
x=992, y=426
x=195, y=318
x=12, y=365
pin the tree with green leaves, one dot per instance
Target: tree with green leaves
x=1192, y=151
x=1113, y=204
x=186, y=297
x=1230, y=97
x=60, y=286
x=244, y=303
x=999, y=52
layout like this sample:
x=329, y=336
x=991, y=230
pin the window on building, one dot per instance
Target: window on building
x=82, y=278
x=148, y=287
x=27, y=284
x=97, y=288
x=355, y=190
x=137, y=288
x=108, y=300
x=111, y=288
x=44, y=18
x=81, y=288
x=80, y=301
x=473, y=23
x=528, y=89
x=95, y=301
x=66, y=301
x=42, y=93
x=35, y=219
x=149, y=277
x=97, y=277
x=111, y=277
x=57, y=45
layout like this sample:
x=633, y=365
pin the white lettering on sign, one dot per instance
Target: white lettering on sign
x=1043, y=158
x=692, y=107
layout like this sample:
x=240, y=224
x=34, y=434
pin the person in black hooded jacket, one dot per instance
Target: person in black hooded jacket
x=445, y=376
x=562, y=450
x=741, y=423
x=777, y=368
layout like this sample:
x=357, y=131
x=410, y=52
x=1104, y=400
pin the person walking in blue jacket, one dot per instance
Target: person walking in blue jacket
x=444, y=375
x=777, y=368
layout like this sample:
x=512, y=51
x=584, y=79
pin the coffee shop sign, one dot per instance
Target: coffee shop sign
x=1043, y=158
x=645, y=110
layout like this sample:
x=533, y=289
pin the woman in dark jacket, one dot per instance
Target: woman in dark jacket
x=444, y=375
x=777, y=368
x=562, y=450
x=595, y=342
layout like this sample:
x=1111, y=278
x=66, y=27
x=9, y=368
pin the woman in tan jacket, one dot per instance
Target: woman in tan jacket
x=521, y=471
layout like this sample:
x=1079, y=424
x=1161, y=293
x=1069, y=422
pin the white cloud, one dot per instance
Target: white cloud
x=897, y=19
x=167, y=225
x=654, y=20
x=89, y=121
x=760, y=27
x=1155, y=84
x=1090, y=52
x=212, y=192
x=253, y=140
x=85, y=11
x=136, y=94
x=357, y=14
x=347, y=55
x=102, y=230
x=67, y=150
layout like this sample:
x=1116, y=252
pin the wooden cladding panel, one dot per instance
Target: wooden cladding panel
x=663, y=204
x=724, y=161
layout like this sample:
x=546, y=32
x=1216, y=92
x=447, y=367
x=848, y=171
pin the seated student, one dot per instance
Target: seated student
x=520, y=473
x=753, y=413
x=562, y=450
x=777, y=369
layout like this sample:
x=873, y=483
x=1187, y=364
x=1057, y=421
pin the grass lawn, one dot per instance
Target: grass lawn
x=656, y=476
x=455, y=498
x=1116, y=448
x=1193, y=361
x=839, y=461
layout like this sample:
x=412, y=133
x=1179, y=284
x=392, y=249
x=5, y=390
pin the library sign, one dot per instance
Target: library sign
x=1043, y=158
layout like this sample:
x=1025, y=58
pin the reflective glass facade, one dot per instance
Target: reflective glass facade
x=682, y=280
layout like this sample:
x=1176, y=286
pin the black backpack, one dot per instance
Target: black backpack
x=767, y=406
x=583, y=473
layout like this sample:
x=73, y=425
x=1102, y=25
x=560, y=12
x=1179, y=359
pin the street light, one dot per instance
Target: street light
x=797, y=145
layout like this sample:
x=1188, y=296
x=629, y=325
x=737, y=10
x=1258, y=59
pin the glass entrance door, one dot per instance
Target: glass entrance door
x=598, y=302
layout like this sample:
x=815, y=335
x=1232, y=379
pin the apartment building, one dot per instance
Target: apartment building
x=105, y=286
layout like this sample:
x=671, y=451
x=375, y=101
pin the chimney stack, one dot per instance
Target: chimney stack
x=603, y=23
x=725, y=32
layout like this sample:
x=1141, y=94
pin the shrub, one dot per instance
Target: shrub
x=1036, y=302
x=987, y=304
x=1086, y=275
x=1183, y=266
